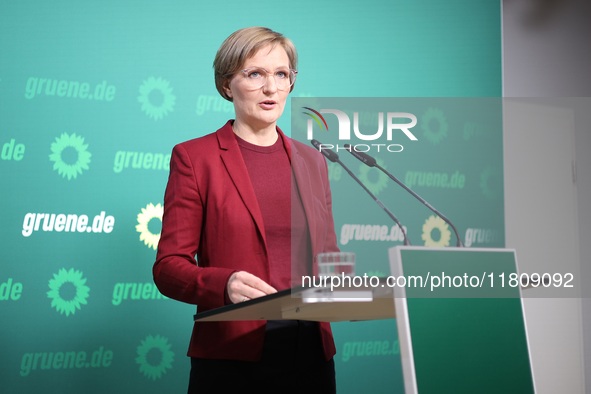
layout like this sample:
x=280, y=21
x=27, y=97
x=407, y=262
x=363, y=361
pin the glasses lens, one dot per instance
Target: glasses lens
x=292, y=77
x=284, y=79
x=256, y=78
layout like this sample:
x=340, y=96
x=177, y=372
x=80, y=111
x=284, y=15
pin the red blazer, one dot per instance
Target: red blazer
x=211, y=211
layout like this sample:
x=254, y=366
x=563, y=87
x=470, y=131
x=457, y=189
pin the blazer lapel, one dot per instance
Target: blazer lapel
x=302, y=179
x=232, y=159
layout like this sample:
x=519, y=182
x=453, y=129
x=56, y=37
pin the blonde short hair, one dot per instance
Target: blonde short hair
x=242, y=45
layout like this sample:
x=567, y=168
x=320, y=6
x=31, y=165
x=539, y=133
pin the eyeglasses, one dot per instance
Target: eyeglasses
x=256, y=77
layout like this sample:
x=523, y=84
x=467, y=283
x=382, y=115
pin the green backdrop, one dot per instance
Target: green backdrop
x=94, y=95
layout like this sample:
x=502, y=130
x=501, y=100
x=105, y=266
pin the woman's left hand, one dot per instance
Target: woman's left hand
x=243, y=286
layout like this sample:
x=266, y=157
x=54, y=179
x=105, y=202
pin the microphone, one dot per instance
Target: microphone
x=334, y=157
x=371, y=162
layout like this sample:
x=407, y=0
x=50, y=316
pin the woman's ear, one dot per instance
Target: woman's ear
x=227, y=89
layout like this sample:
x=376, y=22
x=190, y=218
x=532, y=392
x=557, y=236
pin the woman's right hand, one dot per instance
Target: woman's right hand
x=243, y=286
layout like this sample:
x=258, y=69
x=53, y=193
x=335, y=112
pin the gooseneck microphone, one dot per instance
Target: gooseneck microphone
x=334, y=157
x=371, y=162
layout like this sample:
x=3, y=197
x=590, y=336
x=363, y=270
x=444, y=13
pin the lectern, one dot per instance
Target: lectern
x=459, y=316
x=462, y=329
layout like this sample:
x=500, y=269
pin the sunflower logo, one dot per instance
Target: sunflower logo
x=156, y=98
x=374, y=179
x=150, y=212
x=63, y=284
x=146, y=354
x=69, y=155
x=488, y=180
x=432, y=132
x=435, y=223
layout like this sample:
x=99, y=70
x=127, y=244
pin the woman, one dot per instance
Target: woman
x=228, y=203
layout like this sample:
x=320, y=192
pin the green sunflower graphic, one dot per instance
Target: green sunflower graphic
x=65, y=145
x=68, y=305
x=156, y=98
x=431, y=133
x=374, y=179
x=145, y=351
x=147, y=214
x=436, y=223
x=488, y=179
